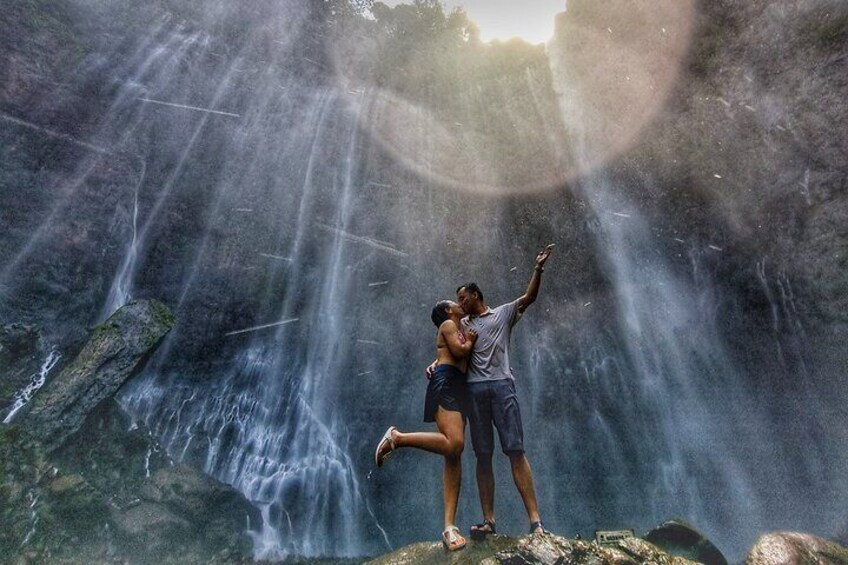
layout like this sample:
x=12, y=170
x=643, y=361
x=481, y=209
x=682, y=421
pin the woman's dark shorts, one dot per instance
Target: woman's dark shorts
x=446, y=389
x=495, y=402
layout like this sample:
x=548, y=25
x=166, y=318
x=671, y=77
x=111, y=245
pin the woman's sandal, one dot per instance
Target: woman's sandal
x=452, y=539
x=480, y=531
x=379, y=456
x=538, y=526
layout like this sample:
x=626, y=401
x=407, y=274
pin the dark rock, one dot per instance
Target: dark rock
x=117, y=351
x=679, y=538
x=61, y=510
x=20, y=354
x=151, y=527
x=790, y=548
x=44, y=512
x=156, y=509
x=17, y=340
x=112, y=454
x=217, y=513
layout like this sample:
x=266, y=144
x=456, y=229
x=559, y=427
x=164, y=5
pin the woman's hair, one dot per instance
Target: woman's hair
x=440, y=312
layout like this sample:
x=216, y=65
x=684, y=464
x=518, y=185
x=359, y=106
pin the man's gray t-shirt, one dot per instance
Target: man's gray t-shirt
x=489, y=359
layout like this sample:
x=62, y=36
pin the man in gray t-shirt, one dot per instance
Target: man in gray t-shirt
x=492, y=399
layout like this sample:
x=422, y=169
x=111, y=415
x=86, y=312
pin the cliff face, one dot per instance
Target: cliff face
x=298, y=165
x=80, y=484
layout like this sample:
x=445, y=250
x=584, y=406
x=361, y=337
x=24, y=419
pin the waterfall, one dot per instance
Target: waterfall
x=267, y=424
x=178, y=44
x=23, y=396
x=678, y=423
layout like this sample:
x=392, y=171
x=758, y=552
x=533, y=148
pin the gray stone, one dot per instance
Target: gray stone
x=116, y=351
x=791, y=548
x=218, y=514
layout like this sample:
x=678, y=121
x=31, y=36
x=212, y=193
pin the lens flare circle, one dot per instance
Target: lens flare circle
x=605, y=75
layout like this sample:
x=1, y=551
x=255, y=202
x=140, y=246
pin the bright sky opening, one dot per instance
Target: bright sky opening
x=530, y=20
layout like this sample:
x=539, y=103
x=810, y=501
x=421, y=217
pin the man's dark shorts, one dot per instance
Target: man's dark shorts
x=495, y=402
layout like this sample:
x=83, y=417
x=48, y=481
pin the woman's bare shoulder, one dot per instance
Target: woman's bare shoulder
x=447, y=325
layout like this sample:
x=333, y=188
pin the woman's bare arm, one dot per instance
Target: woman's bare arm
x=452, y=339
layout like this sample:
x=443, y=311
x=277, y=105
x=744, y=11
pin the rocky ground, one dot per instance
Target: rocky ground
x=773, y=549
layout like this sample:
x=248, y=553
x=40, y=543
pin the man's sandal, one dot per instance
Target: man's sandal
x=379, y=455
x=480, y=531
x=538, y=526
x=452, y=539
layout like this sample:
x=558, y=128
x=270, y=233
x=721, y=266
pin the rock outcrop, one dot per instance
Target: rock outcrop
x=113, y=496
x=179, y=503
x=117, y=351
x=542, y=550
x=680, y=538
x=791, y=548
x=180, y=509
x=772, y=549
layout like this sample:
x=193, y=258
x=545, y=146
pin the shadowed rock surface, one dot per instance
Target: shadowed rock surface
x=791, y=548
x=180, y=507
x=116, y=352
x=681, y=538
x=92, y=501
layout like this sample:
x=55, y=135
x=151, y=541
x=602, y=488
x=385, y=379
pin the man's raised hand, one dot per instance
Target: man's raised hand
x=543, y=255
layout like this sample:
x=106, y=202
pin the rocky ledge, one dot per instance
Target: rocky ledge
x=781, y=548
x=117, y=350
x=548, y=549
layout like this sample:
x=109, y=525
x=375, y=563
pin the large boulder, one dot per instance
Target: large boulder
x=180, y=509
x=680, y=538
x=790, y=548
x=84, y=503
x=117, y=351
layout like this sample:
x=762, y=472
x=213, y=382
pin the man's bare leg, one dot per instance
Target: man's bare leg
x=486, y=486
x=523, y=477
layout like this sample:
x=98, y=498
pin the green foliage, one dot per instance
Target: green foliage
x=495, y=101
x=162, y=315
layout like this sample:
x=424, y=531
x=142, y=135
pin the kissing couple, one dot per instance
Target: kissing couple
x=471, y=379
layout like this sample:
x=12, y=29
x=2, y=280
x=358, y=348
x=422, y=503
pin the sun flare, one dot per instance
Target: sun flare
x=502, y=20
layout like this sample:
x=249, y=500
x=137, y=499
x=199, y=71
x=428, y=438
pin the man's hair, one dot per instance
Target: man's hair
x=472, y=288
x=440, y=312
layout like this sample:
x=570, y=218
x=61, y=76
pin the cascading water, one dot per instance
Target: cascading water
x=23, y=396
x=267, y=425
x=681, y=427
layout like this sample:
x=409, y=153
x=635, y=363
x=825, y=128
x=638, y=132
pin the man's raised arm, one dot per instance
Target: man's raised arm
x=529, y=296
